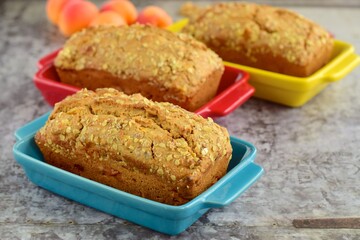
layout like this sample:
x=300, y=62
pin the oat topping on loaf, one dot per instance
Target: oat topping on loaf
x=250, y=33
x=109, y=135
x=139, y=52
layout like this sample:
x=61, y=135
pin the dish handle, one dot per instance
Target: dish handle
x=236, y=184
x=47, y=59
x=178, y=25
x=223, y=104
x=342, y=68
x=31, y=127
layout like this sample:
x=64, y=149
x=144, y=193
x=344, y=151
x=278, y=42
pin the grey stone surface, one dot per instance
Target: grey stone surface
x=311, y=154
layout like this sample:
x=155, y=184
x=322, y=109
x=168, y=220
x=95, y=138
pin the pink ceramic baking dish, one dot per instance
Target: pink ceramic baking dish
x=234, y=89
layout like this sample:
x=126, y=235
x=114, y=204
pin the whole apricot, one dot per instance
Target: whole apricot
x=123, y=7
x=154, y=15
x=76, y=15
x=108, y=18
x=54, y=8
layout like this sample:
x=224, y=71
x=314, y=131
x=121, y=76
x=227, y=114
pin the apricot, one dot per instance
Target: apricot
x=54, y=8
x=123, y=7
x=108, y=18
x=154, y=15
x=76, y=15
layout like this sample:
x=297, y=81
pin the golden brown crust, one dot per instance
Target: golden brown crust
x=155, y=150
x=137, y=57
x=262, y=36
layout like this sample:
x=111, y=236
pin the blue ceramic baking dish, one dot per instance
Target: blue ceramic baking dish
x=242, y=173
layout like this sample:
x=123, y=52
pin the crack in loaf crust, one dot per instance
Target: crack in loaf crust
x=159, y=64
x=262, y=36
x=154, y=150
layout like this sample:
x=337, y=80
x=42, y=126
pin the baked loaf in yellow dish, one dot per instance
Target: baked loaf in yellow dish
x=161, y=65
x=261, y=36
x=154, y=150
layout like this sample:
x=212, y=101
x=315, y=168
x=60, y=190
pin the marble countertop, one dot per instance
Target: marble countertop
x=311, y=154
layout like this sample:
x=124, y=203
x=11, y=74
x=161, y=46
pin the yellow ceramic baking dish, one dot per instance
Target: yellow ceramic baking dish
x=296, y=91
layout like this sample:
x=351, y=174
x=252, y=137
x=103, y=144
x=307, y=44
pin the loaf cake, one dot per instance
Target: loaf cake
x=156, y=150
x=161, y=65
x=261, y=36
